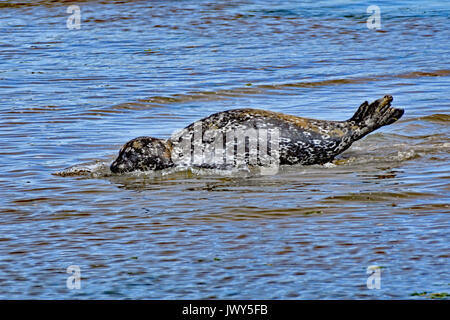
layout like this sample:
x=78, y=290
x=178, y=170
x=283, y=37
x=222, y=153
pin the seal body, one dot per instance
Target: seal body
x=247, y=135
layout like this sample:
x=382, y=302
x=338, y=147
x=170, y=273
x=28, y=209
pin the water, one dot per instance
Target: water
x=71, y=98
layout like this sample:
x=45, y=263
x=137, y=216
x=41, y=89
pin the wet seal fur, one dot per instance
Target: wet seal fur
x=301, y=140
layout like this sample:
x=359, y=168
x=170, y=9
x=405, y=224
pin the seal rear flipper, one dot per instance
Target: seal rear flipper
x=370, y=117
x=361, y=113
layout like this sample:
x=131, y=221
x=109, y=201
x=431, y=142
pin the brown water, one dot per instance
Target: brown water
x=70, y=98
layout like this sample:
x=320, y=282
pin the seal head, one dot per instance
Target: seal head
x=143, y=154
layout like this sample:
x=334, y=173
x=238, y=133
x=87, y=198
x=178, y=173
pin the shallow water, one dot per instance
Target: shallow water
x=71, y=98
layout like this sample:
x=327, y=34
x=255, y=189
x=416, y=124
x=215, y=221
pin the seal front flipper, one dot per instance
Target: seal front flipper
x=143, y=154
x=370, y=117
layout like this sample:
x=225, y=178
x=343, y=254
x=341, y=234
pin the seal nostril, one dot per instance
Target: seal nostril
x=113, y=167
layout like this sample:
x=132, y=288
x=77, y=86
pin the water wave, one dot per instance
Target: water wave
x=255, y=89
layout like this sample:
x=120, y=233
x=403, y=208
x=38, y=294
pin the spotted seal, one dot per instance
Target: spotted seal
x=300, y=140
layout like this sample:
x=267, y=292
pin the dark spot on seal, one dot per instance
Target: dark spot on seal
x=301, y=140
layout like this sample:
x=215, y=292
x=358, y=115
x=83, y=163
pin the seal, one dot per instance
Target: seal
x=298, y=140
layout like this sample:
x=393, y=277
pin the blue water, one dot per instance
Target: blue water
x=73, y=97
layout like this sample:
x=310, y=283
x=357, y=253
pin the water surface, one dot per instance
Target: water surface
x=73, y=97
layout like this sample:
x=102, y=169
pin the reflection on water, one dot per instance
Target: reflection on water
x=70, y=99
